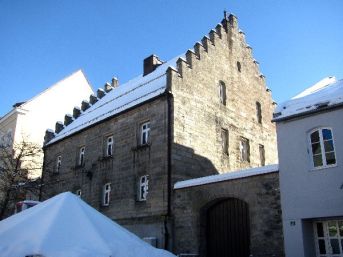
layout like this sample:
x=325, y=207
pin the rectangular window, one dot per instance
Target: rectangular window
x=259, y=112
x=322, y=148
x=262, y=155
x=222, y=92
x=78, y=193
x=143, y=188
x=106, y=190
x=58, y=163
x=244, y=149
x=82, y=156
x=145, y=133
x=109, y=146
x=225, y=140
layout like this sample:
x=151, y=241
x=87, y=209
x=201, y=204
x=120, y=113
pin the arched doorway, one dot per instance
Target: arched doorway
x=228, y=229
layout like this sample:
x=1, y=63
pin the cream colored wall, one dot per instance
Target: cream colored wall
x=42, y=111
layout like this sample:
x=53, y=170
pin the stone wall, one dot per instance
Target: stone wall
x=262, y=195
x=199, y=116
x=129, y=162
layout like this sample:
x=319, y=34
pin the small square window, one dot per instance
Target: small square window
x=143, y=188
x=106, y=190
x=78, y=192
x=145, y=133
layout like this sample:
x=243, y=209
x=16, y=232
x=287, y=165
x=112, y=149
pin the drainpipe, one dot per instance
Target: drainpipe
x=169, y=186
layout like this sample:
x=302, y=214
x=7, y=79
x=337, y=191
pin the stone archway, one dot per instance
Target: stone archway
x=228, y=229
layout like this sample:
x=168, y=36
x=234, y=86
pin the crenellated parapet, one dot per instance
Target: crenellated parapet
x=77, y=111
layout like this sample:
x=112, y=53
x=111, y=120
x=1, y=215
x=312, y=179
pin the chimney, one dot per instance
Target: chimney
x=114, y=82
x=150, y=64
x=76, y=112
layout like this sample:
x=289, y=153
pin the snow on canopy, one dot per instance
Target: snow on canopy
x=130, y=94
x=66, y=226
x=327, y=92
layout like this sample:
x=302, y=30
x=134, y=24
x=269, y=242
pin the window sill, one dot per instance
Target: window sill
x=314, y=169
x=141, y=146
x=106, y=158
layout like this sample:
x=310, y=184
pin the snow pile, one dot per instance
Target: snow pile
x=227, y=176
x=66, y=226
x=125, y=96
x=327, y=92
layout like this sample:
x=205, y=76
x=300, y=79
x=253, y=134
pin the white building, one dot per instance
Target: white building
x=30, y=119
x=310, y=145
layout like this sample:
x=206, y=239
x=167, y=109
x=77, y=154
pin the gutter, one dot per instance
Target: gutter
x=307, y=113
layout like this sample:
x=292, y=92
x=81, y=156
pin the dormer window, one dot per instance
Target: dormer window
x=322, y=148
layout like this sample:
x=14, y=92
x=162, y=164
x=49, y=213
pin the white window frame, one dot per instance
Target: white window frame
x=322, y=148
x=82, y=155
x=78, y=192
x=106, y=193
x=244, y=148
x=143, y=188
x=145, y=133
x=58, y=163
x=109, y=146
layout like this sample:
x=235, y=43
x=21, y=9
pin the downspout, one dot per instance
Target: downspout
x=41, y=180
x=169, y=186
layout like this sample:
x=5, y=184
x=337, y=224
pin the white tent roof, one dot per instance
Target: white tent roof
x=66, y=226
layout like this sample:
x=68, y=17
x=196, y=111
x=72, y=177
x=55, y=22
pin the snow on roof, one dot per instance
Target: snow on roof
x=67, y=226
x=130, y=94
x=327, y=92
x=227, y=176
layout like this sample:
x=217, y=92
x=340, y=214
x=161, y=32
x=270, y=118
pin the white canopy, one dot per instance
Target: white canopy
x=65, y=226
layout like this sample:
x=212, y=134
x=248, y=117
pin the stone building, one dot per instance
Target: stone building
x=205, y=112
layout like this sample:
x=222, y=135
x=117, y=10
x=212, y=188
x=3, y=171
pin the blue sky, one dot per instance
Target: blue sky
x=42, y=41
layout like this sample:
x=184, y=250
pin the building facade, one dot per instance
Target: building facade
x=28, y=120
x=310, y=140
x=205, y=112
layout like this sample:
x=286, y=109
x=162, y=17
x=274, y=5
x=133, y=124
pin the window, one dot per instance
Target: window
x=106, y=190
x=222, y=92
x=145, y=133
x=109, y=146
x=58, y=163
x=82, y=156
x=322, y=148
x=259, y=112
x=78, y=193
x=239, y=67
x=143, y=188
x=262, y=155
x=244, y=149
x=225, y=141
